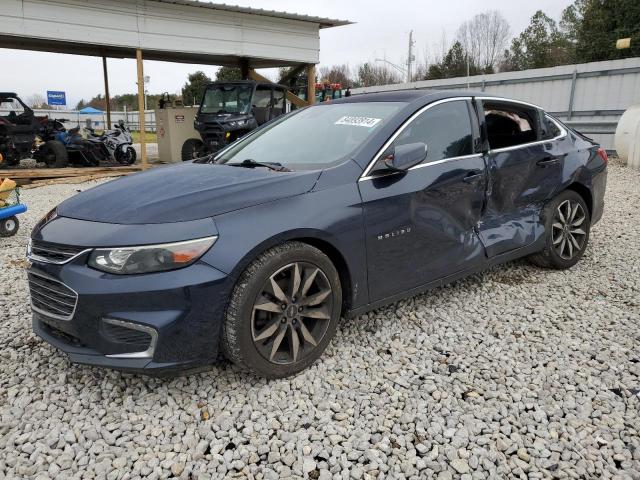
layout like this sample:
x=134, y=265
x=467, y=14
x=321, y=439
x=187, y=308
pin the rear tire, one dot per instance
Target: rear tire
x=192, y=148
x=277, y=331
x=54, y=154
x=567, y=226
x=9, y=226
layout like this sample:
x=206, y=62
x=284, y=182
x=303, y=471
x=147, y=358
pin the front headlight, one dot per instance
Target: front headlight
x=149, y=258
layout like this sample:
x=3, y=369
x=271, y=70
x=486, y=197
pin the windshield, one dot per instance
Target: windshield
x=315, y=137
x=227, y=99
x=11, y=104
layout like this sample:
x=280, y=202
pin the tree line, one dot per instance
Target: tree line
x=587, y=31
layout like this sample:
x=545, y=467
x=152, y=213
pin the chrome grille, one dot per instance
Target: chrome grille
x=52, y=252
x=51, y=297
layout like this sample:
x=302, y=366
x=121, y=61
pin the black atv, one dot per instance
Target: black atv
x=83, y=152
x=229, y=110
x=22, y=136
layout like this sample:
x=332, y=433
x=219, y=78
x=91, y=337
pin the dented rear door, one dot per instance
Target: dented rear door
x=521, y=179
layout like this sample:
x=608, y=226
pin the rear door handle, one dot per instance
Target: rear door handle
x=547, y=161
x=472, y=175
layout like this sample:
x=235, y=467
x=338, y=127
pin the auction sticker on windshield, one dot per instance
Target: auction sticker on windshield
x=357, y=121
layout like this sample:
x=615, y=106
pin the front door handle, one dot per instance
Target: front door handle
x=546, y=161
x=472, y=176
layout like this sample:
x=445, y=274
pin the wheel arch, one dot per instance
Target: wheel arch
x=315, y=239
x=339, y=262
x=585, y=193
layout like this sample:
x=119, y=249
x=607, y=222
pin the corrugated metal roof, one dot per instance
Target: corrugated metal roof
x=323, y=22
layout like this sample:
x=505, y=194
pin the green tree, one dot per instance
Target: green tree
x=119, y=102
x=540, y=45
x=454, y=64
x=193, y=90
x=595, y=25
x=228, y=74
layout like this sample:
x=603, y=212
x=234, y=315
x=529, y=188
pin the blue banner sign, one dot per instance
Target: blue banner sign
x=56, y=98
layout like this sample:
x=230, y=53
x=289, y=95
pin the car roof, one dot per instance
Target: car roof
x=406, y=96
x=422, y=96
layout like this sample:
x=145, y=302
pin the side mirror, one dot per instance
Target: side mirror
x=406, y=156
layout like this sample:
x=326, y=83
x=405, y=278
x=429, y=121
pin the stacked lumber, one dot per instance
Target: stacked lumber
x=48, y=176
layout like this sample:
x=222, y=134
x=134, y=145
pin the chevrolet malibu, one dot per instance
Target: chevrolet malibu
x=255, y=253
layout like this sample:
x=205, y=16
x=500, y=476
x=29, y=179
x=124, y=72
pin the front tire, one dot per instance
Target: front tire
x=192, y=148
x=9, y=226
x=567, y=225
x=126, y=157
x=283, y=311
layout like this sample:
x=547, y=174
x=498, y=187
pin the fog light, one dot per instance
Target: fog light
x=129, y=333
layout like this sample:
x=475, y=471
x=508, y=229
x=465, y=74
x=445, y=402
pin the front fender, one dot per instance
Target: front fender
x=332, y=216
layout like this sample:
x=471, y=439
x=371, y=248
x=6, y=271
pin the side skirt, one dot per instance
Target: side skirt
x=497, y=260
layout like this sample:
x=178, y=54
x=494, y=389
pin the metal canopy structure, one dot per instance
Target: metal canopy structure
x=185, y=31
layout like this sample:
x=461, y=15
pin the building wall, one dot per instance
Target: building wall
x=601, y=92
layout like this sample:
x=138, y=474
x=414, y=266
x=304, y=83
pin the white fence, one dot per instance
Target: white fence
x=74, y=118
x=590, y=97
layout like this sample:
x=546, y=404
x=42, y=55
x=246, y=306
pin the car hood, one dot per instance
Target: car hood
x=184, y=192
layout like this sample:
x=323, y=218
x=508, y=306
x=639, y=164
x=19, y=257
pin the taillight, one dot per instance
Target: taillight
x=603, y=155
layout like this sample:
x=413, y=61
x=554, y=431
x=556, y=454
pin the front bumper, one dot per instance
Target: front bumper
x=159, y=323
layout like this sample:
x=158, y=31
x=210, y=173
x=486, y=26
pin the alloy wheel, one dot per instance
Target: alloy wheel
x=568, y=234
x=292, y=313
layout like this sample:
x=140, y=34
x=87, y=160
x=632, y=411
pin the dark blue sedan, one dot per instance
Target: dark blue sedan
x=255, y=253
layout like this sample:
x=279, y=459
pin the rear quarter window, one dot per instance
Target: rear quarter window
x=550, y=128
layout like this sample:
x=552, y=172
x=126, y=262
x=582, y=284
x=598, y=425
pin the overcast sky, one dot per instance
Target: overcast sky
x=381, y=30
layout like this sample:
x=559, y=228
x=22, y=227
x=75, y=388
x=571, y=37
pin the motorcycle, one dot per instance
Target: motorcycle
x=119, y=143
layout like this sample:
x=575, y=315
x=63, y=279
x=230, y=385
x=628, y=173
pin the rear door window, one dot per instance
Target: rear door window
x=510, y=124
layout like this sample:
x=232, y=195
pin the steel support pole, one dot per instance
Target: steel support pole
x=141, y=119
x=106, y=91
x=574, y=79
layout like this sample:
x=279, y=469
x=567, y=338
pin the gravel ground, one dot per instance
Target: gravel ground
x=515, y=373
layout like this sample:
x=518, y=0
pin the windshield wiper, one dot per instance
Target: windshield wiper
x=250, y=163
